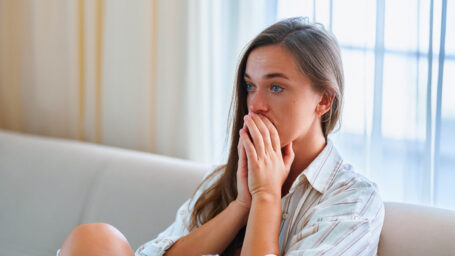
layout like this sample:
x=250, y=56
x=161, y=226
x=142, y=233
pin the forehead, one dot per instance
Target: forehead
x=271, y=59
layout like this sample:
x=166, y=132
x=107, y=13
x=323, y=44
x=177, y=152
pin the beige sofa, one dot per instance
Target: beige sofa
x=49, y=186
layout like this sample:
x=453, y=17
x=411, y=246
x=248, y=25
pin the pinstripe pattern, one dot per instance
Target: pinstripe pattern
x=329, y=210
x=336, y=210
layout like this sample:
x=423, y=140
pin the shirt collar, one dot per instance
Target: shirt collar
x=322, y=170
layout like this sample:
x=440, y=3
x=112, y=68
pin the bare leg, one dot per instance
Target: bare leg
x=96, y=239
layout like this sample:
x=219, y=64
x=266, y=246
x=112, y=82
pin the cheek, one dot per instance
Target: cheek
x=292, y=118
x=292, y=124
x=286, y=127
x=283, y=113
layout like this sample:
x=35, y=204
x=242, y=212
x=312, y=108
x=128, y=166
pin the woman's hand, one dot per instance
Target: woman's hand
x=267, y=167
x=243, y=193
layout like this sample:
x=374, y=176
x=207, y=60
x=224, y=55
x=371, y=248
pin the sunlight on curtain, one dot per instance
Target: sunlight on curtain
x=78, y=69
x=38, y=67
x=217, y=32
x=157, y=76
x=398, y=119
x=153, y=76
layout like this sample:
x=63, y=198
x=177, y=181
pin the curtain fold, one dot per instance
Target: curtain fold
x=154, y=76
x=157, y=76
x=35, y=81
x=79, y=69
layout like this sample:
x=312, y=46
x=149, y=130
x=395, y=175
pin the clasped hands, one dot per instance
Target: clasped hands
x=262, y=167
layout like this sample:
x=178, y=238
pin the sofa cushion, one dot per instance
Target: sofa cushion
x=417, y=230
x=49, y=186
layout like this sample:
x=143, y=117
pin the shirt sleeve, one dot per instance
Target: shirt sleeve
x=348, y=221
x=178, y=229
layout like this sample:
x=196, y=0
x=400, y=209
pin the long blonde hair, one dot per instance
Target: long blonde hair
x=318, y=55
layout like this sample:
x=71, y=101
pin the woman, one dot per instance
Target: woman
x=284, y=190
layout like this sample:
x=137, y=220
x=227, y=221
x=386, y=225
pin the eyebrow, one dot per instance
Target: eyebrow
x=271, y=75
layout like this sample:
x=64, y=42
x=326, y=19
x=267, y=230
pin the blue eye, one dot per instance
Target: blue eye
x=248, y=87
x=276, y=88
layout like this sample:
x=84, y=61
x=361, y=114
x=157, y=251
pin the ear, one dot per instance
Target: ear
x=325, y=103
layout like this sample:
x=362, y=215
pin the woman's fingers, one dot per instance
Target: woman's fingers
x=243, y=192
x=264, y=130
x=273, y=133
x=258, y=141
x=239, y=145
x=288, y=156
x=248, y=146
x=241, y=151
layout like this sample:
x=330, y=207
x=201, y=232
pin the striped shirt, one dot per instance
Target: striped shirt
x=329, y=210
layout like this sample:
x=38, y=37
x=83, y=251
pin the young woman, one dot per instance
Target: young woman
x=284, y=190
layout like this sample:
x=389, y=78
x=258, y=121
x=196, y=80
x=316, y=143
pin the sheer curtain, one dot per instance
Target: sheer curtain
x=78, y=69
x=153, y=76
x=399, y=119
x=157, y=76
x=196, y=72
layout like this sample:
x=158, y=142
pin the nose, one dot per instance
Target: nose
x=257, y=102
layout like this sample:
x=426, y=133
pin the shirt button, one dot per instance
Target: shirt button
x=285, y=215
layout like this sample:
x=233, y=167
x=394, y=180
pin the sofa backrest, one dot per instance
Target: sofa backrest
x=417, y=230
x=49, y=186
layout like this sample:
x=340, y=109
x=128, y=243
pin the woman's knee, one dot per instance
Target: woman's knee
x=96, y=239
x=99, y=229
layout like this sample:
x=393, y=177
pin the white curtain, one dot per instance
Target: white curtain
x=78, y=69
x=197, y=58
x=157, y=76
x=399, y=118
x=154, y=76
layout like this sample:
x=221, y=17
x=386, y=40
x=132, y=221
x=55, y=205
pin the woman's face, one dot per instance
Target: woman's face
x=277, y=90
